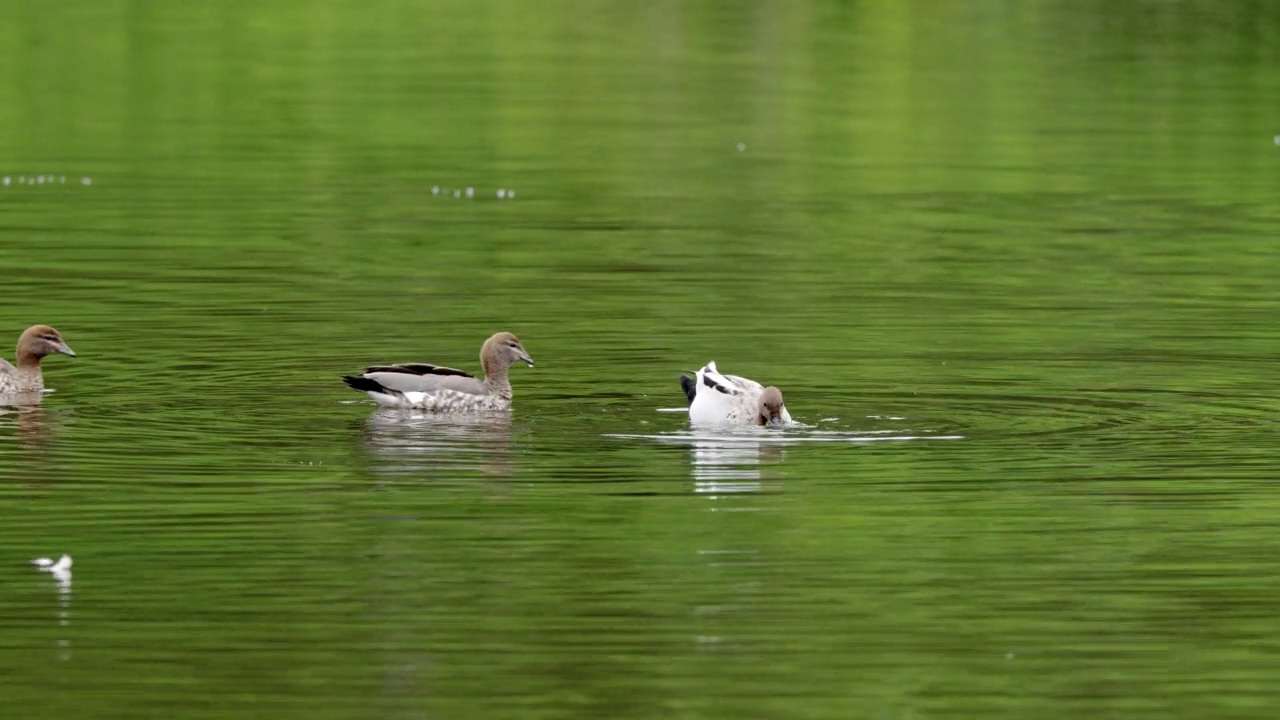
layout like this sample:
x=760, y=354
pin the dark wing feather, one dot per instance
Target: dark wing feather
x=417, y=369
x=706, y=380
x=364, y=384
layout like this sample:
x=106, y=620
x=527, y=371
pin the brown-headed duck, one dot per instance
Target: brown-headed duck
x=728, y=399
x=35, y=343
x=423, y=386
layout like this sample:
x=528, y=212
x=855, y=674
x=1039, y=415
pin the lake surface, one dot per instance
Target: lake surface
x=1045, y=230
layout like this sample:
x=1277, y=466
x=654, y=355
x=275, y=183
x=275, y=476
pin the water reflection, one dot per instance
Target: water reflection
x=60, y=571
x=406, y=443
x=731, y=463
x=31, y=429
x=729, y=470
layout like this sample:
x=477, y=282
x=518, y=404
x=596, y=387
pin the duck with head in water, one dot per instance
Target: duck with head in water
x=715, y=398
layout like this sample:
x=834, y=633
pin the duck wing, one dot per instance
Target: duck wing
x=413, y=383
x=417, y=369
x=728, y=384
x=397, y=380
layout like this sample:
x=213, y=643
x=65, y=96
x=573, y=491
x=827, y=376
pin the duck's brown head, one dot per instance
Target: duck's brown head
x=769, y=410
x=501, y=352
x=38, y=341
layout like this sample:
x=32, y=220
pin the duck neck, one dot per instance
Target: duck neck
x=28, y=361
x=495, y=376
x=28, y=375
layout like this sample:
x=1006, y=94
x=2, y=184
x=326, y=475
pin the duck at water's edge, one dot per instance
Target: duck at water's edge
x=717, y=399
x=35, y=343
x=441, y=389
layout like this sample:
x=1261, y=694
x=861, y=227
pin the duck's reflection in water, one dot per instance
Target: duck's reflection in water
x=407, y=443
x=725, y=463
x=31, y=428
x=60, y=571
x=729, y=470
x=33, y=431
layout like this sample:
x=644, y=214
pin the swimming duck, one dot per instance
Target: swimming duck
x=717, y=398
x=441, y=389
x=36, y=342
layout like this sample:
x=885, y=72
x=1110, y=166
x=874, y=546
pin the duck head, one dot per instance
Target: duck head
x=502, y=351
x=769, y=409
x=38, y=341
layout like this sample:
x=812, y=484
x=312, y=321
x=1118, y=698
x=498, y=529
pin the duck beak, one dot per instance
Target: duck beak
x=524, y=357
x=65, y=349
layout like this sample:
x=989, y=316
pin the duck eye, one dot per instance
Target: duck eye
x=50, y=338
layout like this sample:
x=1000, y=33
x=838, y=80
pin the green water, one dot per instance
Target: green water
x=1045, y=228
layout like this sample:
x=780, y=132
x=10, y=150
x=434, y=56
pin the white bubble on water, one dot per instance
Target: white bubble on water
x=435, y=189
x=1276, y=139
x=742, y=147
x=6, y=180
x=86, y=181
x=457, y=193
x=501, y=193
x=40, y=180
x=62, y=179
x=22, y=179
x=471, y=192
x=511, y=194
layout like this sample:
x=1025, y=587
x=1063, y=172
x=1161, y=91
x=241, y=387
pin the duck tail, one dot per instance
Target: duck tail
x=690, y=387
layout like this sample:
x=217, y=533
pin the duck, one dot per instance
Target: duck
x=715, y=398
x=34, y=344
x=423, y=386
